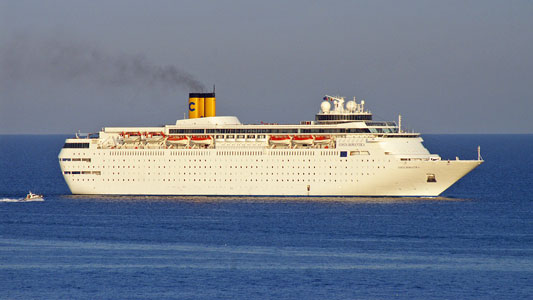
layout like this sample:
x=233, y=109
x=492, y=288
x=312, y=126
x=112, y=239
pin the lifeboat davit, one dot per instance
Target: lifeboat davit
x=280, y=139
x=322, y=139
x=303, y=139
x=131, y=137
x=202, y=139
x=155, y=137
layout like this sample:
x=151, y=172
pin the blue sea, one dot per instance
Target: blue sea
x=474, y=242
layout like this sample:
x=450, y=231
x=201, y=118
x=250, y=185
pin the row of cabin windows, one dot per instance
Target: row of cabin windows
x=140, y=153
x=257, y=160
x=276, y=153
x=228, y=153
x=76, y=159
x=230, y=167
x=384, y=130
x=343, y=117
x=390, y=124
x=336, y=130
x=342, y=154
x=189, y=152
x=83, y=172
x=233, y=130
x=268, y=131
x=248, y=136
x=215, y=174
x=76, y=145
x=245, y=167
x=235, y=180
x=225, y=174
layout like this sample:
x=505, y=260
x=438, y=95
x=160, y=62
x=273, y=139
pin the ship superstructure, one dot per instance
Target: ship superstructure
x=343, y=152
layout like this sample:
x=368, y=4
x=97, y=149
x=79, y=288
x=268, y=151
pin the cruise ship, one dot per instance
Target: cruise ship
x=343, y=152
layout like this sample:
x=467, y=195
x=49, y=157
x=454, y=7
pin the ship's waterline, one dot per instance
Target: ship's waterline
x=342, y=153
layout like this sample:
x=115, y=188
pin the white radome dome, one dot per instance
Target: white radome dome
x=351, y=105
x=325, y=106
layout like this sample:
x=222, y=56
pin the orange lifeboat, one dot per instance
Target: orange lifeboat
x=177, y=140
x=202, y=139
x=322, y=139
x=303, y=139
x=280, y=139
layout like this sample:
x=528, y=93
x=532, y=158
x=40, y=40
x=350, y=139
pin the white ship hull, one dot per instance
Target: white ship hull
x=266, y=172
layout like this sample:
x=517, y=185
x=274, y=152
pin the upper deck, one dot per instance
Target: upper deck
x=219, y=125
x=333, y=122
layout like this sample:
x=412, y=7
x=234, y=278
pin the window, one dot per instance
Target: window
x=174, y=131
x=431, y=178
x=343, y=117
x=76, y=145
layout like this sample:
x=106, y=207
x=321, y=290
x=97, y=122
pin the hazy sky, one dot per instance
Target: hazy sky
x=446, y=66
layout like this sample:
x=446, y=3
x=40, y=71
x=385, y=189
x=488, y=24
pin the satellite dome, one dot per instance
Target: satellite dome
x=325, y=106
x=351, y=105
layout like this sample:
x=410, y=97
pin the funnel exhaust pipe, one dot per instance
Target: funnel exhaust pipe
x=202, y=105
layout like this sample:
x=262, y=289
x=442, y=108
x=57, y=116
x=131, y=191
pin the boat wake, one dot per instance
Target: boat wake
x=20, y=200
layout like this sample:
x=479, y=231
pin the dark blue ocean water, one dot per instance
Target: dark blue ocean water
x=475, y=242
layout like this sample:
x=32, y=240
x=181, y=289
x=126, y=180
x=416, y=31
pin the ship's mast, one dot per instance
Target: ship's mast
x=399, y=123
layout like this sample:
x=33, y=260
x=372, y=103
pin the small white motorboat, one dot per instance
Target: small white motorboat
x=32, y=197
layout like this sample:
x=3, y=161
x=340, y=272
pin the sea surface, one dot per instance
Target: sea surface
x=474, y=242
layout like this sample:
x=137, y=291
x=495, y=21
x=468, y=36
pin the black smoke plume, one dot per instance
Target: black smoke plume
x=25, y=58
